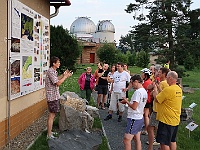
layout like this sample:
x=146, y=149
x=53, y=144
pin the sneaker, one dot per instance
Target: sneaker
x=103, y=108
x=119, y=119
x=144, y=133
x=154, y=143
x=87, y=131
x=54, y=134
x=108, y=117
x=50, y=137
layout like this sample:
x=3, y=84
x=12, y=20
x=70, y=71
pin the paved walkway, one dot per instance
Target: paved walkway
x=115, y=130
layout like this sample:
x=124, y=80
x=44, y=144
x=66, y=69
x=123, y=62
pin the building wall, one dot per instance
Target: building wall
x=85, y=58
x=26, y=109
x=105, y=37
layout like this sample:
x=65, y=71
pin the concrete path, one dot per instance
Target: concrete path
x=115, y=130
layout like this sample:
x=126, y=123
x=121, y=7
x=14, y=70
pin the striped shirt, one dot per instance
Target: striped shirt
x=52, y=90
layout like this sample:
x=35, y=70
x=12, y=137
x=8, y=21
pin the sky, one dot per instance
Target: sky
x=101, y=10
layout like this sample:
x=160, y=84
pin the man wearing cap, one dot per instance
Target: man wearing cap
x=135, y=118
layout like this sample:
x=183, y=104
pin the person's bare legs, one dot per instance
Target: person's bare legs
x=50, y=123
x=99, y=99
x=150, y=137
x=138, y=144
x=172, y=146
x=127, y=141
x=104, y=100
x=146, y=118
x=164, y=147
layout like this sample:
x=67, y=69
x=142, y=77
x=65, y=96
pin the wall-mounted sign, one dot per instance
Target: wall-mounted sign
x=29, y=50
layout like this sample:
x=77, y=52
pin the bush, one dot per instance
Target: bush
x=142, y=59
x=180, y=71
x=189, y=63
x=121, y=57
x=107, y=53
x=131, y=58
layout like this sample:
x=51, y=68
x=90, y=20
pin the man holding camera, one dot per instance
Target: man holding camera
x=135, y=119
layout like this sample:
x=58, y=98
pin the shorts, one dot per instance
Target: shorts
x=96, y=88
x=148, y=105
x=134, y=126
x=166, y=133
x=102, y=89
x=152, y=121
x=53, y=106
x=114, y=100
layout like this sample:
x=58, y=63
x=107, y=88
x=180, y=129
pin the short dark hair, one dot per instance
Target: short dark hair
x=136, y=77
x=164, y=70
x=121, y=64
x=53, y=59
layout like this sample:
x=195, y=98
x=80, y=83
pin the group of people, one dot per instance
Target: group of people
x=155, y=104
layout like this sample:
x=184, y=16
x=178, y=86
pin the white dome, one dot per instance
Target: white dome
x=105, y=26
x=82, y=25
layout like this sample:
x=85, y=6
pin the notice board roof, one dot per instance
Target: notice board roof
x=58, y=3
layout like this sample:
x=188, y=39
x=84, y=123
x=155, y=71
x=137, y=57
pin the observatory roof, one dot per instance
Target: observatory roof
x=82, y=25
x=105, y=26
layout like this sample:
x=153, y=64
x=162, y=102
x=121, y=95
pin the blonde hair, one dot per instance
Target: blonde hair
x=88, y=68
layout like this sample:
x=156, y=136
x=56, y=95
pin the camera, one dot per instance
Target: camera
x=120, y=100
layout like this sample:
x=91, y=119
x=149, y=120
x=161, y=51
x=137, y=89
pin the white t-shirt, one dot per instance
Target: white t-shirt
x=110, y=84
x=110, y=75
x=120, y=81
x=140, y=96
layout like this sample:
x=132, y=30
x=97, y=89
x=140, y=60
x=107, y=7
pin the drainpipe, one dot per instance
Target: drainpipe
x=8, y=40
x=55, y=13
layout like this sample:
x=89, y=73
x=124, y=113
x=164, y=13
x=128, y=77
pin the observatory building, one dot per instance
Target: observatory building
x=92, y=37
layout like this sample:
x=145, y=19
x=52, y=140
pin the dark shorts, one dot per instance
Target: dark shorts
x=53, y=106
x=166, y=133
x=134, y=126
x=96, y=88
x=148, y=105
x=102, y=89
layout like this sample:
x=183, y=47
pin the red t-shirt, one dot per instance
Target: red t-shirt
x=145, y=85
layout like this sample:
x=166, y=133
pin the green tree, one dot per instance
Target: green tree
x=163, y=18
x=64, y=46
x=142, y=59
x=107, y=53
x=131, y=58
x=188, y=39
x=142, y=42
x=121, y=57
x=126, y=43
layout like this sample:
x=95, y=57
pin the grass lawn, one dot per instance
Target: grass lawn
x=183, y=141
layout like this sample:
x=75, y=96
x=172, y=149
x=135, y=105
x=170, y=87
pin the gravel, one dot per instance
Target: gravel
x=28, y=136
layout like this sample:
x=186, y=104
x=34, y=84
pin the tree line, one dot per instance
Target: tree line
x=170, y=30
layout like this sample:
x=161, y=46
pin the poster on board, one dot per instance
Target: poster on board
x=29, y=50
